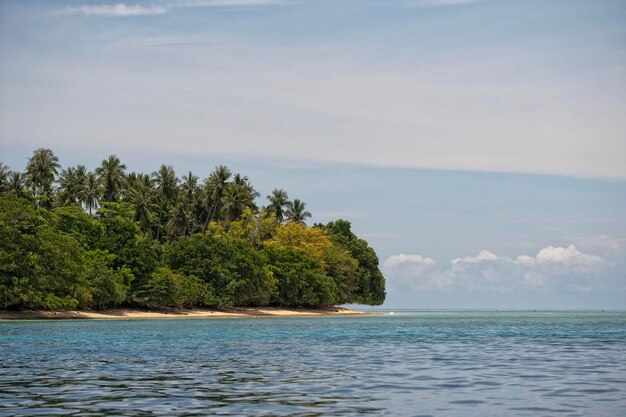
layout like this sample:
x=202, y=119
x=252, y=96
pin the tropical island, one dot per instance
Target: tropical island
x=71, y=239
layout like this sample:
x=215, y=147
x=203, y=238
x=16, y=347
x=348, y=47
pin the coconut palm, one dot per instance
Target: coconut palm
x=194, y=197
x=142, y=199
x=189, y=186
x=278, y=202
x=111, y=176
x=296, y=211
x=179, y=222
x=41, y=170
x=200, y=208
x=235, y=199
x=89, y=191
x=131, y=180
x=16, y=183
x=4, y=177
x=71, y=181
x=136, y=179
x=215, y=186
x=81, y=175
x=67, y=185
x=244, y=182
x=166, y=183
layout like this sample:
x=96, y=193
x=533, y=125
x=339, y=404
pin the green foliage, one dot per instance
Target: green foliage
x=168, y=289
x=41, y=169
x=163, y=289
x=254, y=229
x=370, y=282
x=311, y=241
x=232, y=267
x=278, y=203
x=122, y=237
x=71, y=238
x=342, y=268
x=111, y=177
x=5, y=174
x=296, y=211
x=74, y=222
x=39, y=267
x=300, y=279
x=109, y=287
x=196, y=293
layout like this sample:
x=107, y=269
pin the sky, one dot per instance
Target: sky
x=479, y=146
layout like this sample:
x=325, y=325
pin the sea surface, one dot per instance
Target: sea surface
x=436, y=363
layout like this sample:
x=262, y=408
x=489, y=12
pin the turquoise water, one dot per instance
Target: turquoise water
x=406, y=364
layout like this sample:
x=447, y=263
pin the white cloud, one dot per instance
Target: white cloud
x=568, y=256
x=128, y=10
x=402, y=259
x=368, y=100
x=551, y=267
x=608, y=247
x=211, y=85
x=484, y=255
x=414, y=272
x=119, y=9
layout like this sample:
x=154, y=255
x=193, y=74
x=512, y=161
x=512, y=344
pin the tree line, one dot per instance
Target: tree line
x=74, y=238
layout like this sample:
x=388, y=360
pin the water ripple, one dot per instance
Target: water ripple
x=428, y=364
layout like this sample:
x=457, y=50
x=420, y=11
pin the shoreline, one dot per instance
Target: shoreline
x=134, y=314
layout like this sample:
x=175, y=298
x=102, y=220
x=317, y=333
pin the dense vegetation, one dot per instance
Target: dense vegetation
x=70, y=238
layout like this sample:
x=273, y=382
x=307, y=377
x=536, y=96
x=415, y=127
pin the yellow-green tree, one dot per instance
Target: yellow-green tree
x=311, y=241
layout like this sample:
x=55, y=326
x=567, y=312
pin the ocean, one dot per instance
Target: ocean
x=429, y=363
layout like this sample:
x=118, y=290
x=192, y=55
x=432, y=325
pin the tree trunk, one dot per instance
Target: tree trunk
x=209, y=218
x=160, y=214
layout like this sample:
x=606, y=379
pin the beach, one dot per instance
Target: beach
x=131, y=314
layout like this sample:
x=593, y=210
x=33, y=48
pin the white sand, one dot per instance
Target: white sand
x=121, y=313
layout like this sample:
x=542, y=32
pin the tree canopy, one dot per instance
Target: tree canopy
x=73, y=238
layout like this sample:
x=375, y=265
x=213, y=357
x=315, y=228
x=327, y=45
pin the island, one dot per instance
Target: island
x=80, y=242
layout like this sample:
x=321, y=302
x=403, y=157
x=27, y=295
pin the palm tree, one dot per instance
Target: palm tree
x=296, y=211
x=89, y=191
x=136, y=179
x=81, y=175
x=252, y=194
x=178, y=224
x=278, y=201
x=16, y=183
x=71, y=181
x=131, y=180
x=235, y=199
x=194, y=197
x=215, y=185
x=66, y=183
x=200, y=209
x=166, y=182
x=142, y=199
x=41, y=170
x=189, y=186
x=111, y=177
x=4, y=177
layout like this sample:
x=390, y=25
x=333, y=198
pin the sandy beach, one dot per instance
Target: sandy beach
x=126, y=314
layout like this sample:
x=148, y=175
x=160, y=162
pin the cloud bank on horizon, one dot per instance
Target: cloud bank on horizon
x=560, y=268
x=459, y=85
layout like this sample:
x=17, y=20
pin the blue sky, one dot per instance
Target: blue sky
x=479, y=146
